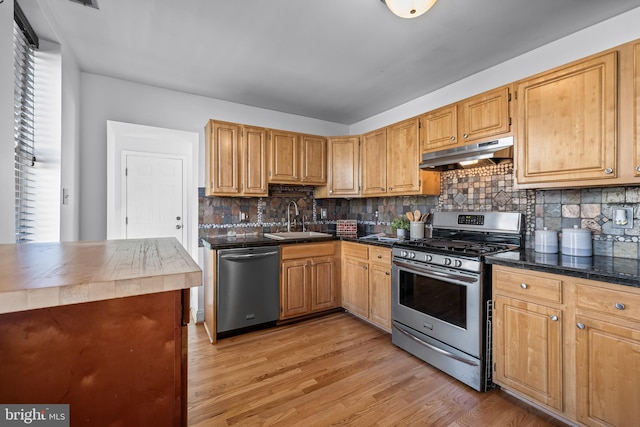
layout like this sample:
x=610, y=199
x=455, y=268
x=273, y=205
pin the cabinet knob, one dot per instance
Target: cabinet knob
x=524, y=285
x=452, y=138
x=364, y=267
x=466, y=135
x=620, y=306
x=390, y=188
x=381, y=188
x=379, y=256
x=387, y=273
x=178, y=227
x=330, y=191
x=638, y=168
x=608, y=171
x=178, y=218
x=580, y=325
x=554, y=318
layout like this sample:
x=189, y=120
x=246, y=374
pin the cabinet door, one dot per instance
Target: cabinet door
x=380, y=295
x=439, y=129
x=636, y=107
x=223, y=158
x=283, y=157
x=403, y=158
x=344, y=166
x=608, y=373
x=294, y=292
x=528, y=349
x=254, y=161
x=374, y=163
x=485, y=115
x=313, y=160
x=567, y=124
x=323, y=287
x=355, y=286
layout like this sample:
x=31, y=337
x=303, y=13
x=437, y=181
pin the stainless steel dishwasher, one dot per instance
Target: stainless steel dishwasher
x=248, y=281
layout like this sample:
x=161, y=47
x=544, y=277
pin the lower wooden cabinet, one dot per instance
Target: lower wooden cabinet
x=366, y=282
x=308, y=280
x=570, y=345
x=528, y=342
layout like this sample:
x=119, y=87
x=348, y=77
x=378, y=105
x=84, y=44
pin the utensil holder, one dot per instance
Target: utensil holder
x=416, y=230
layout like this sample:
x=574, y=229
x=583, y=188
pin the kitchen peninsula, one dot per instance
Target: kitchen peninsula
x=99, y=326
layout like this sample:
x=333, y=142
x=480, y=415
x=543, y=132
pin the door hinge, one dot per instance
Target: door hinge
x=509, y=121
x=126, y=220
x=126, y=171
x=419, y=183
x=494, y=367
x=509, y=97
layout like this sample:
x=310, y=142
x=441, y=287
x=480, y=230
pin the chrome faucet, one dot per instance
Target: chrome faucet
x=289, y=214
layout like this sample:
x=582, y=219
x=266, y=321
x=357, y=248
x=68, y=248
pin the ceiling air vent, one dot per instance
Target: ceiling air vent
x=90, y=3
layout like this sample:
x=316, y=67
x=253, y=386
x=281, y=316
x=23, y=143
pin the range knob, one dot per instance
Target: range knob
x=447, y=261
x=429, y=258
x=403, y=254
x=458, y=263
x=412, y=255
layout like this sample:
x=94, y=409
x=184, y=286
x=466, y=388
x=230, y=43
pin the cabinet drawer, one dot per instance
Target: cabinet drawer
x=528, y=285
x=355, y=250
x=614, y=303
x=380, y=255
x=306, y=250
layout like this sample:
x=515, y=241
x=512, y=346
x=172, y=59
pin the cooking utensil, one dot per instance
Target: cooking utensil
x=416, y=215
x=423, y=218
x=410, y=216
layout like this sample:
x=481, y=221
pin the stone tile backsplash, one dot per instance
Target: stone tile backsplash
x=489, y=188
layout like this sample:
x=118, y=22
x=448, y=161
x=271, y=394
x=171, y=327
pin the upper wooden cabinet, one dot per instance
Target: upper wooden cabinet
x=635, y=113
x=389, y=162
x=373, y=155
x=567, y=124
x=235, y=160
x=297, y=158
x=343, y=177
x=475, y=119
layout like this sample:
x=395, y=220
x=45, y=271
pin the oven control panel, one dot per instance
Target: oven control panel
x=471, y=219
x=438, y=259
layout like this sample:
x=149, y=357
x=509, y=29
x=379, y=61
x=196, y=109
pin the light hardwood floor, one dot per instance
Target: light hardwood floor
x=333, y=370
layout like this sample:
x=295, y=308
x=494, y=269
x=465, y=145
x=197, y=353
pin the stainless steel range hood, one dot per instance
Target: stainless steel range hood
x=483, y=152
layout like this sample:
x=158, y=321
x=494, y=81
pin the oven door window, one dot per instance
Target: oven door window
x=434, y=297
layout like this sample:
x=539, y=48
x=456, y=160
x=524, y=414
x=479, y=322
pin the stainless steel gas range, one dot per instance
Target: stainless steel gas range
x=441, y=291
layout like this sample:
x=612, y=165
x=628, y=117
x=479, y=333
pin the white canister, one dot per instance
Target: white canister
x=416, y=230
x=546, y=241
x=577, y=241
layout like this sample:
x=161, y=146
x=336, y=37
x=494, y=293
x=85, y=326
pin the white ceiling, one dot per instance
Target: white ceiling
x=335, y=60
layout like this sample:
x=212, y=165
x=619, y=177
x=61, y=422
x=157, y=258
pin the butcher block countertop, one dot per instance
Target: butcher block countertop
x=38, y=275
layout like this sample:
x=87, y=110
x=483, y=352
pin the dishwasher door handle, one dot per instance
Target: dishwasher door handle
x=249, y=256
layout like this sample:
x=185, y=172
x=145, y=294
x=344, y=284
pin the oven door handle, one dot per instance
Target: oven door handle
x=436, y=349
x=421, y=272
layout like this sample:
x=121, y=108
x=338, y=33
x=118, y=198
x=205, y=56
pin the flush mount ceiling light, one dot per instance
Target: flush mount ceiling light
x=409, y=8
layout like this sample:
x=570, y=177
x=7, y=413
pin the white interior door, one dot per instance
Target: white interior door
x=154, y=196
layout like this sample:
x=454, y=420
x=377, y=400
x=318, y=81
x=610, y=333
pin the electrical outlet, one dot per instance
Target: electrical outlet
x=376, y=214
x=323, y=213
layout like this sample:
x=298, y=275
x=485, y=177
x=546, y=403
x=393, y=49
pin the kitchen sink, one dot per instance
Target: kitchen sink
x=293, y=235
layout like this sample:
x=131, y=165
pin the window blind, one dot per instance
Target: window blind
x=23, y=54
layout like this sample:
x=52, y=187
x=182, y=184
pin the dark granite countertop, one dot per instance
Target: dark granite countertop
x=621, y=271
x=252, y=240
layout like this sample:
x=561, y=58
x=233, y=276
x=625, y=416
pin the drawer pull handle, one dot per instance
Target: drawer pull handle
x=554, y=318
x=580, y=325
x=524, y=285
x=620, y=306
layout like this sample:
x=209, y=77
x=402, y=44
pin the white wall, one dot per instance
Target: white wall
x=7, y=195
x=104, y=98
x=70, y=133
x=607, y=34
